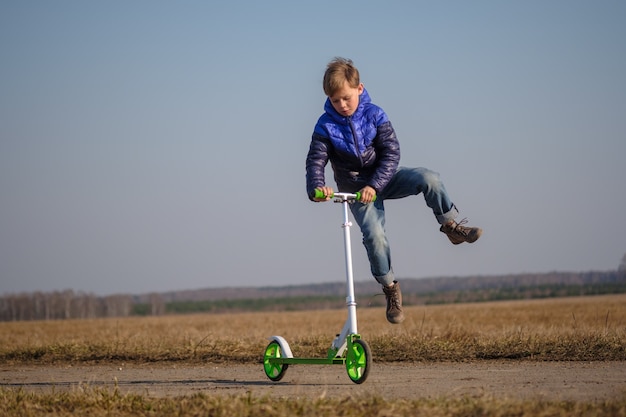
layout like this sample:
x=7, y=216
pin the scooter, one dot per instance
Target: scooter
x=348, y=348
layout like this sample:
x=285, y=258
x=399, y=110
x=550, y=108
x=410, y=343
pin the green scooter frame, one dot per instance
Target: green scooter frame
x=347, y=348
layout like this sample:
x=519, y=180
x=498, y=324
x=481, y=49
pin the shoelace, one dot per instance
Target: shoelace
x=369, y=303
x=393, y=298
x=459, y=228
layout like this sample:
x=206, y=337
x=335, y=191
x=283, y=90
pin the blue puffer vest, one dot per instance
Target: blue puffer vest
x=362, y=149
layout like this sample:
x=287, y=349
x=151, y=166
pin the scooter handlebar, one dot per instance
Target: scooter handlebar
x=356, y=196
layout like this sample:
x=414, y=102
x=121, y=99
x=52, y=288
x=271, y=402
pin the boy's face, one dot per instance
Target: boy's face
x=346, y=99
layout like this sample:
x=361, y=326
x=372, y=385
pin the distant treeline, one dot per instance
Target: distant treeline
x=377, y=300
x=71, y=305
x=240, y=305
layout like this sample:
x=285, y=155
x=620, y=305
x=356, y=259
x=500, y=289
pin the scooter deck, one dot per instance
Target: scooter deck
x=308, y=361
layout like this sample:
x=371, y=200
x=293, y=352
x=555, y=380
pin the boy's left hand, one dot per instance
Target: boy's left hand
x=367, y=194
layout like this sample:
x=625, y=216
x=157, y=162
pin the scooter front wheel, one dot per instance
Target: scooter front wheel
x=274, y=371
x=358, y=361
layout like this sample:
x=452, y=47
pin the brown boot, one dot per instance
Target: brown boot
x=457, y=233
x=394, y=303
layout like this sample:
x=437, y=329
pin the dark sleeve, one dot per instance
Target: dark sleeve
x=316, y=161
x=388, y=156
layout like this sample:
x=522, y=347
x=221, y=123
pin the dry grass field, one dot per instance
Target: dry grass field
x=571, y=329
x=566, y=329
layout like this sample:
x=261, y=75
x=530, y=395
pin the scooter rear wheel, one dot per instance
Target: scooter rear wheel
x=274, y=371
x=358, y=361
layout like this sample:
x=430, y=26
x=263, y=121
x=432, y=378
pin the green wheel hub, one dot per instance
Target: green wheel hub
x=358, y=361
x=274, y=371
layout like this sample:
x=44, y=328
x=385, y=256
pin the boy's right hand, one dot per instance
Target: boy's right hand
x=327, y=191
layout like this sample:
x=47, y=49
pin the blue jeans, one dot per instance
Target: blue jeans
x=371, y=217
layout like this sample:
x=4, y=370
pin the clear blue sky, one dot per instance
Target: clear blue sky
x=154, y=146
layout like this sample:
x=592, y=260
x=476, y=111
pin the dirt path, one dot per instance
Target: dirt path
x=547, y=380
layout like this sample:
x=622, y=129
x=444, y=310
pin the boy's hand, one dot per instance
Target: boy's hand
x=328, y=192
x=367, y=194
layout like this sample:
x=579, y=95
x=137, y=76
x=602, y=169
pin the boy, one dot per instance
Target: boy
x=357, y=138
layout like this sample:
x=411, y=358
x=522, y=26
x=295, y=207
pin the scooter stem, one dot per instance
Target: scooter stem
x=344, y=198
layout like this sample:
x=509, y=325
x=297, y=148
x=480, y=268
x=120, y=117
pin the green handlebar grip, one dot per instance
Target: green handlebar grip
x=320, y=194
x=358, y=197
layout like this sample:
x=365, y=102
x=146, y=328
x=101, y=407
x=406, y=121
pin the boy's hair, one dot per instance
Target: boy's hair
x=338, y=71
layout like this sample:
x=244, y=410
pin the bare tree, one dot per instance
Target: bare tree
x=118, y=305
x=157, y=305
